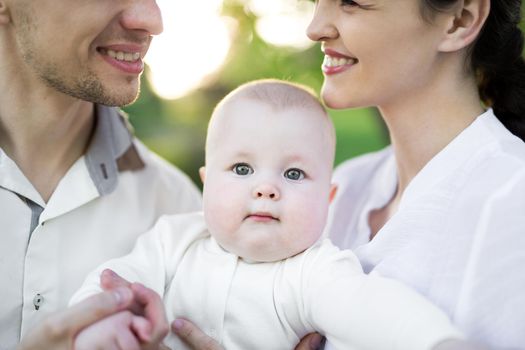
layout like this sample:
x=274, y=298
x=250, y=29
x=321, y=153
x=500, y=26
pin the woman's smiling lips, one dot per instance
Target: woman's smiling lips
x=262, y=217
x=335, y=62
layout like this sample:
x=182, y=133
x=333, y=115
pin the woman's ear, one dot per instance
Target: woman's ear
x=465, y=24
x=202, y=173
x=4, y=13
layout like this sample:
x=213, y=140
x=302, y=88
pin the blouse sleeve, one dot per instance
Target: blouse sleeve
x=358, y=311
x=491, y=303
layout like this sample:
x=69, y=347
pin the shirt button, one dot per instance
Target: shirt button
x=38, y=300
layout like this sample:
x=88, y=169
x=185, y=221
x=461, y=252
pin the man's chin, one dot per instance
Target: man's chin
x=115, y=98
x=118, y=101
x=118, y=97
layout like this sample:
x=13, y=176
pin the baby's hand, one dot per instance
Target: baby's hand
x=122, y=331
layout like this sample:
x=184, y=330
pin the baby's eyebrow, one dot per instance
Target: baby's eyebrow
x=241, y=154
x=294, y=158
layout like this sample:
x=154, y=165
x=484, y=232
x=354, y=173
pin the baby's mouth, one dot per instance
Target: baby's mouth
x=262, y=217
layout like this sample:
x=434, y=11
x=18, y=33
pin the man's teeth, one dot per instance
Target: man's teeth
x=330, y=61
x=124, y=56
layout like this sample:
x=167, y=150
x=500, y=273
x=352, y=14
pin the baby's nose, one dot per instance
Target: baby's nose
x=266, y=191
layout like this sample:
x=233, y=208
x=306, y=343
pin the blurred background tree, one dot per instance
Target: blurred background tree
x=208, y=48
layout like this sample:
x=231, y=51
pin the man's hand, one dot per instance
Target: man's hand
x=59, y=330
x=121, y=331
x=146, y=303
x=184, y=329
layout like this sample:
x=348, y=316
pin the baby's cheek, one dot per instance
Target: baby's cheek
x=311, y=220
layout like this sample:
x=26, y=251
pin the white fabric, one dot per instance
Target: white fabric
x=458, y=236
x=77, y=230
x=273, y=305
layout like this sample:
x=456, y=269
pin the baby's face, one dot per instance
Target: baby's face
x=267, y=179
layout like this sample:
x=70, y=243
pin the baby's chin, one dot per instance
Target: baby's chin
x=265, y=254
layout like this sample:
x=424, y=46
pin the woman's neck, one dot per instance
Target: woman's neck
x=423, y=124
x=420, y=127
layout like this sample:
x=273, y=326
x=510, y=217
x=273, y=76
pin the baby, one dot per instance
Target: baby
x=251, y=271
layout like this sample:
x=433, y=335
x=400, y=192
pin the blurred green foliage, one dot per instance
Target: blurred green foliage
x=176, y=129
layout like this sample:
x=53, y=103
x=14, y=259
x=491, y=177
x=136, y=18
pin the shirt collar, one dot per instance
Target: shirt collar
x=111, y=149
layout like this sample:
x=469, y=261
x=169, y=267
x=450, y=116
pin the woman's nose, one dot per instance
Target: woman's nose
x=321, y=27
x=266, y=191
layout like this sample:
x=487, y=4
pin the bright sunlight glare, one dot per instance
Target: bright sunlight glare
x=283, y=22
x=194, y=45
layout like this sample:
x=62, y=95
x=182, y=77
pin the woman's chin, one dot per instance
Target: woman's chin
x=337, y=102
x=336, y=98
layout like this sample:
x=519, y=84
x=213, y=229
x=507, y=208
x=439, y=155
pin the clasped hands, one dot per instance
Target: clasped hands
x=134, y=311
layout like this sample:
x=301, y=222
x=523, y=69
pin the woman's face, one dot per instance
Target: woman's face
x=377, y=52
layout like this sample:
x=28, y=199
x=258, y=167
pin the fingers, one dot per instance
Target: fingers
x=70, y=321
x=153, y=311
x=193, y=336
x=109, y=279
x=311, y=341
x=112, y=333
x=142, y=328
x=127, y=341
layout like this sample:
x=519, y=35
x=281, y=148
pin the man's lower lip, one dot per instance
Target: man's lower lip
x=135, y=67
x=335, y=70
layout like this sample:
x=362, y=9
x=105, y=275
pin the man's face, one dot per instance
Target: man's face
x=89, y=49
x=267, y=179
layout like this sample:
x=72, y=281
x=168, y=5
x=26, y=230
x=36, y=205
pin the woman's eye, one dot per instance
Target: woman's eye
x=294, y=174
x=349, y=3
x=242, y=169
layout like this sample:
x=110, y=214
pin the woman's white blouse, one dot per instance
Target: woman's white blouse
x=458, y=236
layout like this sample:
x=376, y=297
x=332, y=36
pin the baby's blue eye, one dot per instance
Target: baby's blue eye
x=242, y=169
x=294, y=174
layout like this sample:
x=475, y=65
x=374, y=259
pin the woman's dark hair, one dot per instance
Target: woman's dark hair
x=496, y=58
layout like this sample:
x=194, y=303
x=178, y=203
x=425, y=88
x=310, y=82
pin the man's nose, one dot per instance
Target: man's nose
x=142, y=15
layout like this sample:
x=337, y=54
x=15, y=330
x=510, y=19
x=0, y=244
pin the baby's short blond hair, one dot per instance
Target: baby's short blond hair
x=278, y=94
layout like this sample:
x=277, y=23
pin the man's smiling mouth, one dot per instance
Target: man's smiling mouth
x=120, y=55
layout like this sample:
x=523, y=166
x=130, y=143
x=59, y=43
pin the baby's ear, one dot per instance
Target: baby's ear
x=202, y=173
x=333, y=191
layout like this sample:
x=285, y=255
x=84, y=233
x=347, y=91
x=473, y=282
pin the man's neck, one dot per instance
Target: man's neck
x=44, y=132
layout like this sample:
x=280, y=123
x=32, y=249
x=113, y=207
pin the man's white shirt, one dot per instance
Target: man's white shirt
x=113, y=193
